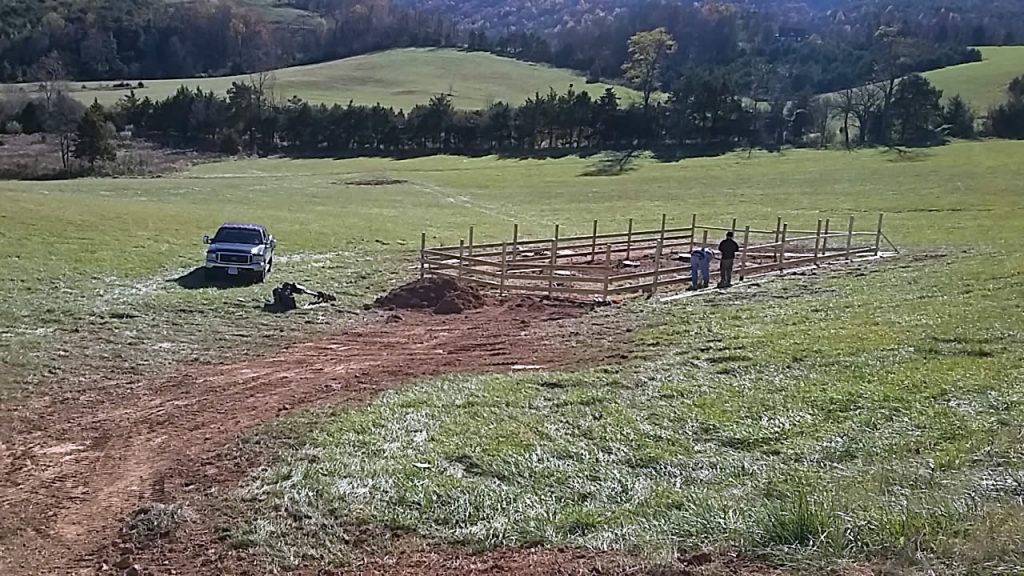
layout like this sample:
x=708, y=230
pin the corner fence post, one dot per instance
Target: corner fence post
x=504, y=268
x=515, y=241
x=629, y=238
x=743, y=255
x=593, y=244
x=849, y=240
x=423, y=254
x=878, y=235
x=817, y=242
x=462, y=248
x=693, y=232
x=824, y=241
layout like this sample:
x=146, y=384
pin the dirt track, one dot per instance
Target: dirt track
x=76, y=462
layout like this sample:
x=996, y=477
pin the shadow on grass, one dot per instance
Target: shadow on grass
x=200, y=278
x=612, y=164
x=907, y=155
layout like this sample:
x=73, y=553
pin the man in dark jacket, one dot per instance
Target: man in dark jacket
x=728, y=249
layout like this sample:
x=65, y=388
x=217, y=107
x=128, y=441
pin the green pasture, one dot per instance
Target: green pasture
x=982, y=84
x=867, y=415
x=400, y=78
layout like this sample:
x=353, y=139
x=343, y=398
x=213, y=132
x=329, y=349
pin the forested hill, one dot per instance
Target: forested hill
x=116, y=39
x=807, y=45
x=968, y=21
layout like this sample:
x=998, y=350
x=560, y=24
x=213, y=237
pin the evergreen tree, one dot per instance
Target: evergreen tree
x=958, y=118
x=93, y=139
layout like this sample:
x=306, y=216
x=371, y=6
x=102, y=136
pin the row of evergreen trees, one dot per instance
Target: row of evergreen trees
x=702, y=112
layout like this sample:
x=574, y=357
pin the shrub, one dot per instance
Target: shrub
x=229, y=143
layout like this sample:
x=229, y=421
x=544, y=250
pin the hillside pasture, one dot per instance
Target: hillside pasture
x=400, y=78
x=982, y=84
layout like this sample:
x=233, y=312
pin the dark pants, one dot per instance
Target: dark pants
x=726, y=272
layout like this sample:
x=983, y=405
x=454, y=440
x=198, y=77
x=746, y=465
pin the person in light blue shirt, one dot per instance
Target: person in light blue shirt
x=700, y=268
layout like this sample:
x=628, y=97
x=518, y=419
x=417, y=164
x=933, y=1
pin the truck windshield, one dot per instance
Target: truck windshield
x=238, y=236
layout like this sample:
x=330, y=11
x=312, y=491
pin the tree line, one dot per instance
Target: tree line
x=116, y=39
x=703, y=113
x=819, y=48
x=703, y=109
x=805, y=46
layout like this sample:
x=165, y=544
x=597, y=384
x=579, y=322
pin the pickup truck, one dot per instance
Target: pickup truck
x=240, y=249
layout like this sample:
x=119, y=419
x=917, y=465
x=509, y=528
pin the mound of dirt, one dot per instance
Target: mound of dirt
x=442, y=295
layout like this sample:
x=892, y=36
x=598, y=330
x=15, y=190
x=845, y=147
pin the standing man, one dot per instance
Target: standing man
x=728, y=248
x=700, y=268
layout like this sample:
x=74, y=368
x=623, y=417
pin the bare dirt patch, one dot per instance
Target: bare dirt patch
x=75, y=463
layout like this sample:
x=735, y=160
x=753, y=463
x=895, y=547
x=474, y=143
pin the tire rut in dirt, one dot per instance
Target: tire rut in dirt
x=153, y=433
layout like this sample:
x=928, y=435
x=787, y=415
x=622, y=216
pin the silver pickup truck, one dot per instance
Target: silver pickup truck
x=240, y=249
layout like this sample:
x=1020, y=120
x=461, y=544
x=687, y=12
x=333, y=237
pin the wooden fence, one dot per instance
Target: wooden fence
x=601, y=265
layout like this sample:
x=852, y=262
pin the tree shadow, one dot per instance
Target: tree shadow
x=198, y=279
x=612, y=164
x=906, y=155
x=684, y=152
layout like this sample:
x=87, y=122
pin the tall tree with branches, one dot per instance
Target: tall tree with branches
x=647, y=54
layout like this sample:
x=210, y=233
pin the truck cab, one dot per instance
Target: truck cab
x=240, y=250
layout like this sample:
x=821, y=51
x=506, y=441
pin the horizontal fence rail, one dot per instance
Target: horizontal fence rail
x=605, y=264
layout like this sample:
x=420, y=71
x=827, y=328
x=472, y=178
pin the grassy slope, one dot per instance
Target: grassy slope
x=984, y=83
x=399, y=78
x=858, y=415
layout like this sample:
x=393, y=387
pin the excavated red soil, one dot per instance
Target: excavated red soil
x=442, y=295
x=78, y=460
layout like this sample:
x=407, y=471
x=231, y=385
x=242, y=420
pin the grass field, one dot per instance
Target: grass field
x=399, y=78
x=984, y=83
x=870, y=415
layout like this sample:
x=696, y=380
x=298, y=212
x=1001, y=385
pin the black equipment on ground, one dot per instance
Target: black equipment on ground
x=284, y=297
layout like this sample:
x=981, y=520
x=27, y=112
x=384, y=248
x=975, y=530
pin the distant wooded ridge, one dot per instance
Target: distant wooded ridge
x=819, y=46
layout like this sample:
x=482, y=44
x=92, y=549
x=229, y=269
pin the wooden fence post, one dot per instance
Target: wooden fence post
x=423, y=254
x=782, y=246
x=629, y=238
x=462, y=246
x=608, y=267
x=470, y=240
x=704, y=240
x=817, y=242
x=849, y=240
x=733, y=225
x=824, y=241
x=551, y=270
x=743, y=255
x=878, y=235
x=661, y=238
x=515, y=241
x=693, y=232
x=657, y=265
x=778, y=235
x=504, y=269
x=554, y=262
x=593, y=244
